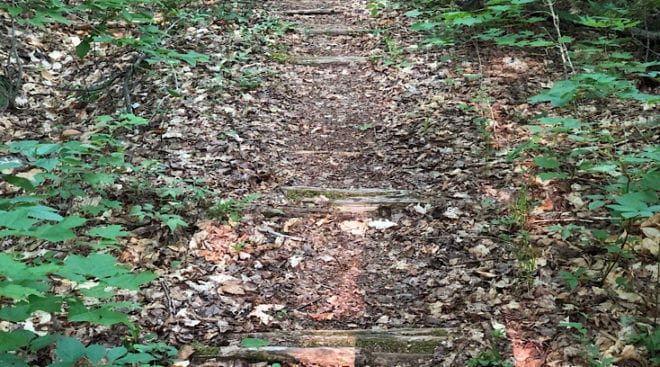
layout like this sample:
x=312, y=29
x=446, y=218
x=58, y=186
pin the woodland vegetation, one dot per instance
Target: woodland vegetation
x=70, y=197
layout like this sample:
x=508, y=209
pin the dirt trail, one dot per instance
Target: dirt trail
x=342, y=122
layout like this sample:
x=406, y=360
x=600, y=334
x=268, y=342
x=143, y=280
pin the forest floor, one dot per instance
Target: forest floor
x=385, y=202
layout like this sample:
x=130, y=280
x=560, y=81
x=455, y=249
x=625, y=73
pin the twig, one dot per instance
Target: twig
x=305, y=305
x=268, y=230
x=166, y=291
x=310, y=12
x=569, y=220
x=563, y=49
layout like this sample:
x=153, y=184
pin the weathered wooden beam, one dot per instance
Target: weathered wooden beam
x=336, y=348
x=333, y=30
x=319, y=11
x=327, y=60
x=299, y=192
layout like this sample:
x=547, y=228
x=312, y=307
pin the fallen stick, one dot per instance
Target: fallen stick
x=309, y=12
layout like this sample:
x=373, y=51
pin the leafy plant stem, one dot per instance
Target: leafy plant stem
x=617, y=257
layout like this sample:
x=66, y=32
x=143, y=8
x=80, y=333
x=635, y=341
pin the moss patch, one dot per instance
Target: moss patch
x=279, y=57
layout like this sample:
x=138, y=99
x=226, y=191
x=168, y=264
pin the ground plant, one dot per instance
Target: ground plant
x=566, y=144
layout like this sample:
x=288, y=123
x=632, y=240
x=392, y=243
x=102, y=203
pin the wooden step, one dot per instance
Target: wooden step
x=335, y=348
x=327, y=60
x=362, y=200
x=318, y=11
x=332, y=30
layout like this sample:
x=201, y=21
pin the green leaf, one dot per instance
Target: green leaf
x=17, y=219
x=110, y=232
x=173, y=221
x=100, y=266
x=561, y=93
x=95, y=353
x=423, y=26
x=96, y=179
x=21, y=182
x=413, y=13
x=45, y=213
x=253, y=343
x=17, y=292
x=82, y=49
x=47, y=163
x=596, y=204
x=69, y=349
x=132, y=358
x=16, y=339
x=546, y=176
x=101, y=315
x=11, y=360
x=546, y=162
x=60, y=231
x=11, y=268
x=131, y=280
x=115, y=353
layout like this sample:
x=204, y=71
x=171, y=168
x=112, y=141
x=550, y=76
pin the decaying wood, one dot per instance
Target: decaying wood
x=319, y=11
x=333, y=152
x=374, y=203
x=334, y=30
x=350, y=348
x=311, y=191
x=321, y=357
x=354, y=200
x=327, y=60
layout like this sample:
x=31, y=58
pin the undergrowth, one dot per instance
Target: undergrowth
x=606, y=50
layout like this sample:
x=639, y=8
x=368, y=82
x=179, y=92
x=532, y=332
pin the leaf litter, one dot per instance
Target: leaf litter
x=448, y=264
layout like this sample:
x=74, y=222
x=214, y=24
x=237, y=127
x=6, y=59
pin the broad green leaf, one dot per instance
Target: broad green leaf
x=110, y=232
x=173, y=221
x=132, y=358
x=47, y=163
x=546, y=162
x=96, y=265
x=43, y=342
x=11, y=268
x=21, y=182
x=95, y=179
x=561, y=93
x=131, y=280
x=82, y=49
x=16, y=313
x=11, y=360
x=95, y=353
x=10, y=164
x=596, y=204
x=14, y=340
x=423, y=26
x=115, y=353
x=100, y=316
x=69, y=349
x=611, y=169
x=413, y=13
x=546, y=176
x=45, y=213
x=17, y=292
x=16, y=219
